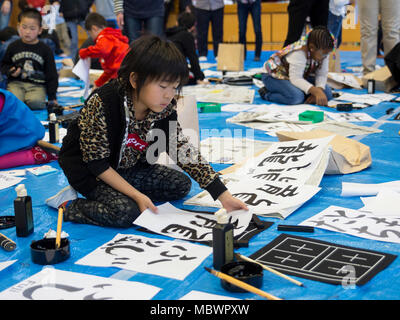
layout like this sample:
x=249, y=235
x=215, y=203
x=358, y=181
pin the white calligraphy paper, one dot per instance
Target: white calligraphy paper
x=6, y=264
x=219, y=93
x=357, y=223
x=173, y=259
x=53, y=284
x=349, y=116
x=7, y=181
x=351, y=189
x=288, y=161
x=262, y=197
x=386, y=203
x=81, y=69
x=173, y=222
x=230, y=150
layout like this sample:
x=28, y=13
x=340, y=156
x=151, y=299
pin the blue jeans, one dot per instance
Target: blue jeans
x=243, y=12
x=73, y=29
x=335, y=27
x=284, y=92
x=133, y=26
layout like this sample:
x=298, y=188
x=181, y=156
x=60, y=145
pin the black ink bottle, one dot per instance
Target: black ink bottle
x=53, y=128
x=222, y=240
x=371, y=86
x=23, y=212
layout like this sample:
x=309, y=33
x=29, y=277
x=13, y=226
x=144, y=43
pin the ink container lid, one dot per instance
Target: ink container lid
x=21, y=190
x=248, y=272
x=222, y=216
x=52, y=117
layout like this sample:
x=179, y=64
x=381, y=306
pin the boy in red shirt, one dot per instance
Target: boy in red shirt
x=110, y=47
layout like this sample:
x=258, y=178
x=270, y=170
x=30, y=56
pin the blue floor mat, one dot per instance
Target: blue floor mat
x=86, y=238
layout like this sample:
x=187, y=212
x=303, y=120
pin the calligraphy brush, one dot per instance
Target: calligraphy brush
x=241, y=284
x=239, y=256
x=59, y=227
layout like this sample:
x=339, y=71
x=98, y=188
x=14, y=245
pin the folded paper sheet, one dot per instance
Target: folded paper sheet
x=176, y=223
x=351, y=189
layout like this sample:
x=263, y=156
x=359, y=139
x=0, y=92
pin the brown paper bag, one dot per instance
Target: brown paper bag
x=384, y=80
x=347, y=155
x=230, y=57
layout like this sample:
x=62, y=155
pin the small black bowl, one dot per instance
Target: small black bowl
x=44, y=251
x=248, y=272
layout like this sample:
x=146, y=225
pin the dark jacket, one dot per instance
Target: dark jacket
x=75, y=9
x=184, y=40
x=81, y=175
x=142, y=9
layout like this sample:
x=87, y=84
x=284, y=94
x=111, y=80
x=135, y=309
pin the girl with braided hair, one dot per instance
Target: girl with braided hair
x=297, y=74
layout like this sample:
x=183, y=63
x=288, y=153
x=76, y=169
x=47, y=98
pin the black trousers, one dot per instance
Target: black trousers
x=203, y=19
x=299, y=10
x=105, y=206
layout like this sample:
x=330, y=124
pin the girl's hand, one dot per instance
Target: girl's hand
x=144, y=203
x=320, y=97
x=230, y=203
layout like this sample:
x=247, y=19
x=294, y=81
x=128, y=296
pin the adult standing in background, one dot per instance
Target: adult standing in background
x=74, y=13
x=5, y=13
x=244, y=7
x=369, y=11
x=106, y=9
x=299, y=10
x=207, y=11
x=337, y=11
x=133, y=16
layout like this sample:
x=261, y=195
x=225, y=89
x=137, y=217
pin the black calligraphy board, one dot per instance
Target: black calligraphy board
x=322, y=261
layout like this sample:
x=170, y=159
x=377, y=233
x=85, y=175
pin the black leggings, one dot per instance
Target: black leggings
x=105, y=206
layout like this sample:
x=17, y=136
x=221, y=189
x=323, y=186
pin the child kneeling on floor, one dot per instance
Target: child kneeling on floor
x=105, y=154
x=298, y=73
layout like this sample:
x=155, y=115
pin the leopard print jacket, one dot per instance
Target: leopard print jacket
x=94, y=143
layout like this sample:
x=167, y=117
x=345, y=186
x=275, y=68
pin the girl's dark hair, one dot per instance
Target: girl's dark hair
x=321, y=37
x=151, y=58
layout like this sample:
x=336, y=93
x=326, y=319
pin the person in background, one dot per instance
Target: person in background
x=207, y=11
x=106, y=9
x=108, y=154
x=136, y=17
x=74, y=13
x=5, y=13
x=299, y=10
x=244, y=7
x=337, y=11
x=298, y=73
x=110, y=47
x=181, y=35
x=29, y=63
x=369, y=12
